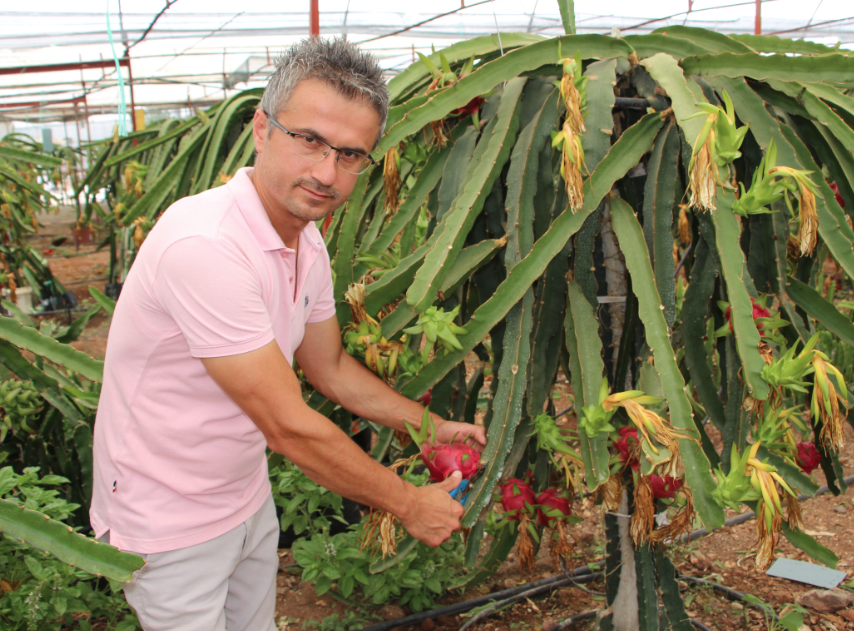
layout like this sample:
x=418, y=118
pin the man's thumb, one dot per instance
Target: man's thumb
x=451, y=482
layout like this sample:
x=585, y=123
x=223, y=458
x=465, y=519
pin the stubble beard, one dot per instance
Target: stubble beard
x=313, y=209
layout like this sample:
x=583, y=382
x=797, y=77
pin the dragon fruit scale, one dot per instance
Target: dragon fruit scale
x=442, y=460
x=551, y=507
x=516, y=497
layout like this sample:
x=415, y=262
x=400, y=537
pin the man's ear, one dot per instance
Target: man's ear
x=259, y=130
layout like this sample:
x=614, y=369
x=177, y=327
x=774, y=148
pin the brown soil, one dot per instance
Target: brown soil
x=724, y=557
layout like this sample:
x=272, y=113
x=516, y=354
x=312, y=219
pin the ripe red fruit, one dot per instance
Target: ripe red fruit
x=622, y=444
x=442, y=460
x=469, y=108
x=808, y=457
x=516, y=496
x=664, y=487
x=551, y=501
x=839, y=199
x=758, y=312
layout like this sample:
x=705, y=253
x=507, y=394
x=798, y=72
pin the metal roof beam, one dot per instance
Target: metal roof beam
x=85, y=65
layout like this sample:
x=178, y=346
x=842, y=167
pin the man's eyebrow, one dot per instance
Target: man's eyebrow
x=308, y=131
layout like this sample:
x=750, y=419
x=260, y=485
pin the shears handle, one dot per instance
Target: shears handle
x=457, y=493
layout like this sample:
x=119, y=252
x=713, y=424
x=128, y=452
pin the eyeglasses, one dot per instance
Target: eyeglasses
x=315, y=149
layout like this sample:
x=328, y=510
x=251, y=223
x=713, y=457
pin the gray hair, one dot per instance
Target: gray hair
x=353, y=73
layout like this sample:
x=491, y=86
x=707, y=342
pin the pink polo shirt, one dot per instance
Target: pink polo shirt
x=176, y=461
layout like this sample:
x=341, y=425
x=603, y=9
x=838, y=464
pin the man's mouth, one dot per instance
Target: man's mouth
x=314, y=194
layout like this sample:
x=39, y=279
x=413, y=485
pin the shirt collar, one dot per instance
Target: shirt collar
x=256, y=217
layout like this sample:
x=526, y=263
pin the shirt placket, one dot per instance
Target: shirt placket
x=289, y=261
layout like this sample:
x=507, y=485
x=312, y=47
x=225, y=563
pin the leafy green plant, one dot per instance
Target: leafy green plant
x=334, y=622
x=307, y=507
x=791, y=620
x=335, y=564
x=38, y=590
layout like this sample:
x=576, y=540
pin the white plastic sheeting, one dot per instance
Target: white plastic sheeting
x=199, y=51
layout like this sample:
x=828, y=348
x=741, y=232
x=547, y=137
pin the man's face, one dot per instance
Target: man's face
x=309, y=189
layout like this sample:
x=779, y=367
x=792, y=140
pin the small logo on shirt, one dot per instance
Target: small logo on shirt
x=306, y=300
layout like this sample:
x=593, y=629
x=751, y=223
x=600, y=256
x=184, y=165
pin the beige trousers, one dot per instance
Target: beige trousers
x=225, y=584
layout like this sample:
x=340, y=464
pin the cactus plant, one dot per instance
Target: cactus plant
x=710, y=161
x=648, y=214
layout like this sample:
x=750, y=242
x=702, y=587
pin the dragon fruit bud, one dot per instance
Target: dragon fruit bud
x=442, y=460
x=516, y=496
x=808, y=457
x=552, y=506
x=664, y=487
x=427, y=397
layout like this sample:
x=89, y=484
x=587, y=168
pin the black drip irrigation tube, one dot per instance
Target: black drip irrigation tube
x=535, y=591
x=740, y=519
x=580, y=575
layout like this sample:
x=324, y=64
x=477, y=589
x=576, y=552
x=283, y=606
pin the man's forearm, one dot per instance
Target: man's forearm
x=328, y=456
x=360, y=391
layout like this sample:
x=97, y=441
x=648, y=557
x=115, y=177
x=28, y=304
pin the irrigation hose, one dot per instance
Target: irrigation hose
x=584, y=571
x=566, y=624
x=740, y=519
x=732, y=593
x=450, y=610
x=536, y=591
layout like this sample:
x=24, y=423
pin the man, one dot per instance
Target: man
x=228, y=288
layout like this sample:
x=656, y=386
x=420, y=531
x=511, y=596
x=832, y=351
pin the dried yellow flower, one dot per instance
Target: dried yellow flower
x=684, y=225
x=703, y=176
x=643, y=518
x=391, y=180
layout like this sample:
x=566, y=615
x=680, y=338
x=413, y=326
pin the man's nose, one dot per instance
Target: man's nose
x=326, y=171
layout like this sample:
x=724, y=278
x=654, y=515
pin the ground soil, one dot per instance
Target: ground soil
x=724, y=557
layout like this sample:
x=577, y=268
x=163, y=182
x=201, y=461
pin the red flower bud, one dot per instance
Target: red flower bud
x=556, y=505
x=808, y=457
x=516, y=496
x=426, y=397
x=442, y=460
x=664, y=488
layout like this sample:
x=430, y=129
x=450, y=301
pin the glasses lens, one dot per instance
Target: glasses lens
x=310, y=147
x=354, y=163
x=314, y=149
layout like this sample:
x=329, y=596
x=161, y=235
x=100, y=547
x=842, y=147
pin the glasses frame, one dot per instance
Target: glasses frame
x=370, y=161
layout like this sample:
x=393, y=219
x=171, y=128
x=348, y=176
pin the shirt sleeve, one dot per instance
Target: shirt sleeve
x=324, y=307
x=214, y=294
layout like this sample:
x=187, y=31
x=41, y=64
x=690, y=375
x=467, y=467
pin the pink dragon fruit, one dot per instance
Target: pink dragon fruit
x=552, y=506
x=516, y=497
x=442, y=460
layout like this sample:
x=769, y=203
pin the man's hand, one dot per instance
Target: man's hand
x=452, y=432
x=434, y=516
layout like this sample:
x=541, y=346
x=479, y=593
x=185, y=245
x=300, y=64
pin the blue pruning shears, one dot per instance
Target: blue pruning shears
x=459, y=493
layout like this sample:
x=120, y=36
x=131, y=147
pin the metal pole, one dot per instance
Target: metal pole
x=314, y=20
x=85, y=103
x=132, y=102
x=757, y=28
